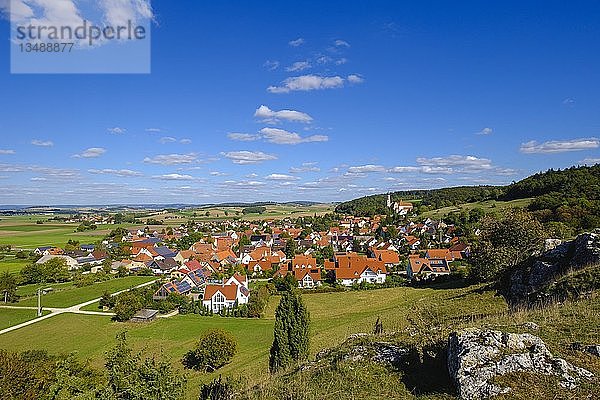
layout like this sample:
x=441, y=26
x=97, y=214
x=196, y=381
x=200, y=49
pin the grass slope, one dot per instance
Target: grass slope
x=12, y=264
x=70, y=296
x=490, y=207
x=334, y=316
x=415, y=316
x=12, y=317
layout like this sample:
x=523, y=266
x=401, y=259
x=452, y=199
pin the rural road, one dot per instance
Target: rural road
x=76, y=309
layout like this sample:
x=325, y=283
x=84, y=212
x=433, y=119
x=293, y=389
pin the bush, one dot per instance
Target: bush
x=254, y=210
x=217, y=390
x=126, y=305
x=214, y=350
x=259, y=299
x=107, y=301
x=52, y=271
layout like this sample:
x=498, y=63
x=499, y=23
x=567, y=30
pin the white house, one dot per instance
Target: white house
x=220, y=297
x=350, y=276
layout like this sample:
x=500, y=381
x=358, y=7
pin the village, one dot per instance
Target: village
x=215, y=261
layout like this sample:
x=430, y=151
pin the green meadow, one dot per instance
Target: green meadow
x=12, y=317
x=334, y=316
x=23, y=232
x=11, y=264
x=490, y=207
x=67, y=296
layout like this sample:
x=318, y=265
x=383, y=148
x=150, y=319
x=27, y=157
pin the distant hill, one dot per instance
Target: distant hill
x=437, y=198
x=581, y=182
x=570, y=196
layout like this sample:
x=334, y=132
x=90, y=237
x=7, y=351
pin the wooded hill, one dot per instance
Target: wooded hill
x=570, y=196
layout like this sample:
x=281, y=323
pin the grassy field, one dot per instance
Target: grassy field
x=221, y=213
x=30, y=290
x=11, y=317
x=11, y=264
x=334, y=317
x=29, y=237
x=69, y=296
x=490, y=207
x=431, y=312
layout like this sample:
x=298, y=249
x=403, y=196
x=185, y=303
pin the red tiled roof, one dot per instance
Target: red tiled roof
x=229, y=291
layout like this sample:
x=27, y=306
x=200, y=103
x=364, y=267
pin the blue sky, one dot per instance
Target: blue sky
x=312, y=100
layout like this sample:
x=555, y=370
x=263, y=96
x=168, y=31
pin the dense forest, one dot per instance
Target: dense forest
x=569, y=197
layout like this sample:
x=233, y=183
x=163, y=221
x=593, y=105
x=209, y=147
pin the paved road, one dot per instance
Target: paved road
x=76, y=309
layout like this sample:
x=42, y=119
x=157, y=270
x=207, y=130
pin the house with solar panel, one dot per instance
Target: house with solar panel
x=191, y=284
x=177, y=287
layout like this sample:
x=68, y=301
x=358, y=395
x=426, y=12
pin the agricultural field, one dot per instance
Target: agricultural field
x=490, y=207
x=11, y=264
x=68, y=295
x=24, y=233
x=222, y=213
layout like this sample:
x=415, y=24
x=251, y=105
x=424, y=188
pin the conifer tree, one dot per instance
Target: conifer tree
x=290, y=336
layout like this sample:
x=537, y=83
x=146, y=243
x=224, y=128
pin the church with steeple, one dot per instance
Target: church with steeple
x=399, y=207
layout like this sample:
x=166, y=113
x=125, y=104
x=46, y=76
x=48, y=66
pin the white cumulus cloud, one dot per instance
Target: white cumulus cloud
x=560, y=146
x=356, y=79
x=341, y=43
x=245, y=157
x=307, y=83
x=305, y=167
x=42, y=143
x=92, y=152
x=174, y=177
x=167, y=139
x=117, y=130
x=116, y=172
x=266, y=114
x=281, y=177
x=243, y=137
x=172, y=159
x=281, y=136
x=296, y=42
x=298, y=66
x=366, y=168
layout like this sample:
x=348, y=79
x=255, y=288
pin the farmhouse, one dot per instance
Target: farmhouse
x=72, y=264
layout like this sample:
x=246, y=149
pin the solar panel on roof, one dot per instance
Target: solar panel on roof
x=183, y=287
x=245, y=291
